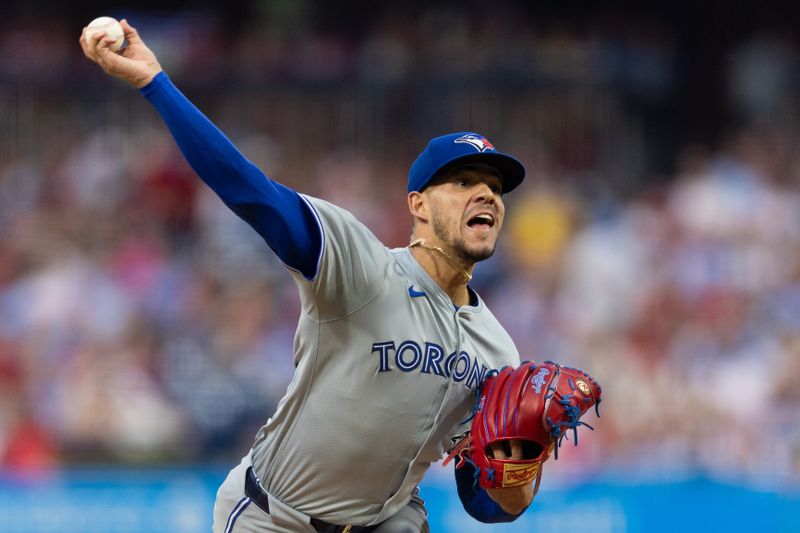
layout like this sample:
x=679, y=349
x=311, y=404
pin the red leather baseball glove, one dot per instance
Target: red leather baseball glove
x=535, y=404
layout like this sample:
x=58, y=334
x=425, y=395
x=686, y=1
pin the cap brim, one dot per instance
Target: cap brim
x=512, y=172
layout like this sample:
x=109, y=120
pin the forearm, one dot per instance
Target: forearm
x=513, y=500
x=476, y=501
x=207, y=150
x=276, y=212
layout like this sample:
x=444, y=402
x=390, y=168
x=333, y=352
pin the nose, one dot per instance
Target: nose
x=484, y=193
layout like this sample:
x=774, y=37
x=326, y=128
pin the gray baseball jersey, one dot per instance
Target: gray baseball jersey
x=386, y=374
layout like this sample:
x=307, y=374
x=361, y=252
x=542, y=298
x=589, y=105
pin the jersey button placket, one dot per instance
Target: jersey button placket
x=461, y=339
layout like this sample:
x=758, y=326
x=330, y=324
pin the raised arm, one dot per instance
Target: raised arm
x=280, y=215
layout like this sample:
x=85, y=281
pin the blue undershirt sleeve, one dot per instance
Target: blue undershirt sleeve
x=279, y=214
x=476, y=501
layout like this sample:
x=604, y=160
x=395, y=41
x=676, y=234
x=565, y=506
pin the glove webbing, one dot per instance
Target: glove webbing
x=590, y=378
x=572, y=411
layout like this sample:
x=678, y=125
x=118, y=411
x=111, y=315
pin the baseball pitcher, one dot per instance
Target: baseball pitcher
x=392, y=346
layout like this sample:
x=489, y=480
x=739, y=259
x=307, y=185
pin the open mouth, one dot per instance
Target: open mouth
x=481, y=221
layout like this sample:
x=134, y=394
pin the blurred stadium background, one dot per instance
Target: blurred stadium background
x=145, y=331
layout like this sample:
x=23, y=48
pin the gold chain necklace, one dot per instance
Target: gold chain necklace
x=422, y=244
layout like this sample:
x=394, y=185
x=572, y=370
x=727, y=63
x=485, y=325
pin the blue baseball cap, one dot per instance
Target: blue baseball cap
x=456, y=149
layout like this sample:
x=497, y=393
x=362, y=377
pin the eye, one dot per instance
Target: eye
x=461, y=182
x=496, y=188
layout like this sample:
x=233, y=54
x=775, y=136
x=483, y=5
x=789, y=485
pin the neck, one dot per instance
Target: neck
x=448, y=273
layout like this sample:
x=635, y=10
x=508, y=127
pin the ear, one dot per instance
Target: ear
x=418, y=206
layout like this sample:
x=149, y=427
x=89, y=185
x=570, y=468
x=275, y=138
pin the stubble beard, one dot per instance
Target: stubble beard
x=458, y=247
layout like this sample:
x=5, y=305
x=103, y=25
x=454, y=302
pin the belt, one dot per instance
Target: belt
x=257, y=494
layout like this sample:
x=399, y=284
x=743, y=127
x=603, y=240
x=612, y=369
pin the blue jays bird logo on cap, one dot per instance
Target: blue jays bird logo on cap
x=481, y=144
x=462, y=147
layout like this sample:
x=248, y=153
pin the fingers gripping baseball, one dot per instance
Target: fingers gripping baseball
x=135, y=64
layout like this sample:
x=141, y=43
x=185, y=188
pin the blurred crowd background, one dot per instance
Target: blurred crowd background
x=655, y=243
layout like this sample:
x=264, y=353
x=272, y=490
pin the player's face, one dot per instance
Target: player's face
x=467, y=212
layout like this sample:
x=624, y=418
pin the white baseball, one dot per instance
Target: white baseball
x=112, y=28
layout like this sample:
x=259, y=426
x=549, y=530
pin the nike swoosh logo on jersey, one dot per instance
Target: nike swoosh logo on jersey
x=413, y=293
